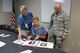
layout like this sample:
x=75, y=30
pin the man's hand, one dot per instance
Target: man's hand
x=37, y=37
x=64, y=37
x=20, y=36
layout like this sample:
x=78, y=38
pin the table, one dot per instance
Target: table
x=10, y=47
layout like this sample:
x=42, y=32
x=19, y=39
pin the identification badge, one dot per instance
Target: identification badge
x=26, y=25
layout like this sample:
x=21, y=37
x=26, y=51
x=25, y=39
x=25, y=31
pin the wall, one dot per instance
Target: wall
x=33, y=6
x=73, y=45
x=47, y=8
x=4, y=17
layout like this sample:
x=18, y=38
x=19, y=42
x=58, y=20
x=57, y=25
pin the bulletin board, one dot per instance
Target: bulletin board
x=7, y=5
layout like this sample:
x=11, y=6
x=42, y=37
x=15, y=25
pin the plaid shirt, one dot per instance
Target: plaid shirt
x=37, y=32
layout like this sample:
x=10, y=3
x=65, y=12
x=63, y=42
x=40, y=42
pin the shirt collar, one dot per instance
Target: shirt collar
x=24, y=16
x=59, y=13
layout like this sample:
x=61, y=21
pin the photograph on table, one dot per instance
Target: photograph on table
x=48, y=45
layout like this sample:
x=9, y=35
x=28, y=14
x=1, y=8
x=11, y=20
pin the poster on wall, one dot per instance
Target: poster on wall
x=7, y=5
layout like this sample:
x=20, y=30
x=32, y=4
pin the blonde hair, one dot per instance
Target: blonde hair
x=36, y=18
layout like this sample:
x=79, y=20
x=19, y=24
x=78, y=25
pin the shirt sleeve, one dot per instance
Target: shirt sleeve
x=66, y=24
x=42, y=31
x=30, y=20
x=51, y=22
x=20, y=20
x=32, y=15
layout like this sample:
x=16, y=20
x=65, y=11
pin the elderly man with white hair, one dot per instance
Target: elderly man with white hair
x=24, y=22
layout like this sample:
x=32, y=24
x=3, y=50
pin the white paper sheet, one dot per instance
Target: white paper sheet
x=26, y=51
x=30, y=43
x=47, y=45
x=5, y=35
x=18, y=41
x=2, y=35
x=2, y=44
x=35, y=43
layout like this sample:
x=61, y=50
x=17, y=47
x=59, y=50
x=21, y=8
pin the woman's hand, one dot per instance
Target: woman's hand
x=29, y=37
x=20, y=36
x=37, y=37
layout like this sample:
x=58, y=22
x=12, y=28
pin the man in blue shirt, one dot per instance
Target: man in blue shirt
x=24, y=22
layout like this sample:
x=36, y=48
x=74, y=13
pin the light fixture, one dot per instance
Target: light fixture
x=61, y=1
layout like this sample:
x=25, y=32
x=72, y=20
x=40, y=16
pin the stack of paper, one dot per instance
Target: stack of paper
x=2, y=44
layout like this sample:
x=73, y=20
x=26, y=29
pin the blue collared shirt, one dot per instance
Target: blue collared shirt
x=23, y=21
